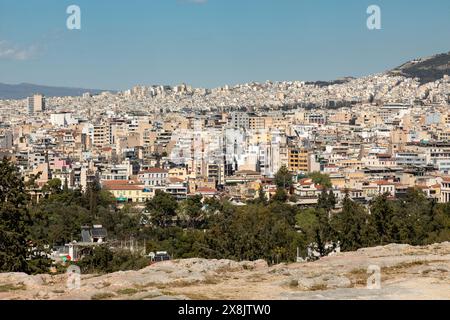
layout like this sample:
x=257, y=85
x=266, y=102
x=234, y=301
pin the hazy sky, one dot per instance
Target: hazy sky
x=212, y=42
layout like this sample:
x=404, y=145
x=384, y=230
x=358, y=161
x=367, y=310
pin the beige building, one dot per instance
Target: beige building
x=298, y=160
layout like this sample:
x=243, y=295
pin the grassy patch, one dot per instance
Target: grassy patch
x=127, y=291
x=404, y=265
x=210, y=280
x=358, y=277
x=293, y=283
x=58, y=291
x=102, y=296
x=169, y=293
x=12, y=287
x=182, y=283
x=225, y=269
x=318, y=287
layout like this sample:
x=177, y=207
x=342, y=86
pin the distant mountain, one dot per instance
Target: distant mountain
x=426, y=69
x=23, y=90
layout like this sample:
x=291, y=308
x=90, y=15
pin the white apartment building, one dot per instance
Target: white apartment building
x=445, y=190
x=154, y=177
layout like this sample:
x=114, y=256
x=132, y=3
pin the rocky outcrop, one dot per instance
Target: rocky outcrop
x=406, y=272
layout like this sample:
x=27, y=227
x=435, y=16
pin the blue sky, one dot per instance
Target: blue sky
x=212, y=42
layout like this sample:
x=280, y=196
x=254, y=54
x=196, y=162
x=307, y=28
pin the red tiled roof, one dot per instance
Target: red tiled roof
x=306, y=181
x=384, y=183
x=206, y=190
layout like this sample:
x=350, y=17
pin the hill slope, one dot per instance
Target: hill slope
x=426, y=69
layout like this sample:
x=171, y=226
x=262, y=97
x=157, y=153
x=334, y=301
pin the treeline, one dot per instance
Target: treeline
x=209, y=228
x=413, y=219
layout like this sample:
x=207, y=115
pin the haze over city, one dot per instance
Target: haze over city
x=213, y=42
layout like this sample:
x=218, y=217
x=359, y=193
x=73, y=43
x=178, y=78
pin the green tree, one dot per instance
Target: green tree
x=253, y=232
x=162, y=208
x=193, y=209
x=91, y=195
x=261, y=195
x=321, y=179
x=381, y=221
x=53, y=186
x=327, y=201
x=280, y=195
x=440, y=225
x=14, y=220
x=413, y=217
x=351, y=225
x=283, y=178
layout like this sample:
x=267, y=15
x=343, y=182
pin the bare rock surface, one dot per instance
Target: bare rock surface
x=406, y=272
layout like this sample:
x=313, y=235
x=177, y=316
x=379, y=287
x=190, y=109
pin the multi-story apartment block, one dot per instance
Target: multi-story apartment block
x=154, y=177
x=36, y=104
x=298, y=160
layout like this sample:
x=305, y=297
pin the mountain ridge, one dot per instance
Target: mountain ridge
x=426, y=69
x=24, y=90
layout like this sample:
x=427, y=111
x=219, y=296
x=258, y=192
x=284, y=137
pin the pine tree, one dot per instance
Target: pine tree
x=283, y=178
x=162, y=209
x=280, y=195
x=351, y=225
x=14, y=219
x=380, y=221
x=324, y=234
x=261, y=195
x=331, y=199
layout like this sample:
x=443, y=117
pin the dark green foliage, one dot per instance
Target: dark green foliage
x=280, y=196
x=58, y=218
x=283, y=178
x=162, y=209
x=52, y=187
x=14, y=219
x=439, y=229
x=381, y=227
x=193, y=211
x=19, y=250
x=253, y=232
x=315, y=224
x=351, y=225
x=102, y=259
x=321, y=179
x=208, y=228
x=180, y=243
x=262, y=199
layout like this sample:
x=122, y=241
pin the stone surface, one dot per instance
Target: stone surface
x=407, y=272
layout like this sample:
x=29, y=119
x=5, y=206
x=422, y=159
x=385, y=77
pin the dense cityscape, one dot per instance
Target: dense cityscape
x=372, y=135
x=241, y=154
